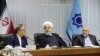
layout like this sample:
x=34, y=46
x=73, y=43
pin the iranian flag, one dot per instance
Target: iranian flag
x=6, y=26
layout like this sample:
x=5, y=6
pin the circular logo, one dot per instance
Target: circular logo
x=5, y=21
x=77, y=21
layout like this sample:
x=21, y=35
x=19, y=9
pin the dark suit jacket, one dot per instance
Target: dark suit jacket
x=42, y=40
x=79, y=40
x=13, y=41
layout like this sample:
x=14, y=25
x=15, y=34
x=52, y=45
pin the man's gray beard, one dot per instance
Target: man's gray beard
x=85, y=35
x=48, y=33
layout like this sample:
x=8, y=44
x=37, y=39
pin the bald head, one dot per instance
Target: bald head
x=86, y=31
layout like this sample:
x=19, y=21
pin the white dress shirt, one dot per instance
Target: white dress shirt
x=20, y=42
x=88, y=42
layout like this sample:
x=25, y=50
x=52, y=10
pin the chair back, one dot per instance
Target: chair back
x=3, y=37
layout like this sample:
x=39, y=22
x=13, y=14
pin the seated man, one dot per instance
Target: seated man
x=85, y=39
x=18, y=38
x=49, y=38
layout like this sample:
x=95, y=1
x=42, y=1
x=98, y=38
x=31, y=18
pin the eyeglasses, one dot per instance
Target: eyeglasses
x=84, y=30
x=22, y=30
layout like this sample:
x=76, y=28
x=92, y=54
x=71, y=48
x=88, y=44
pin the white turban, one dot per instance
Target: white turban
x=49, y=23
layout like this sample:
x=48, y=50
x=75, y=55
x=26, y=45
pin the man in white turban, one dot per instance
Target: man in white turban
x=49, y=38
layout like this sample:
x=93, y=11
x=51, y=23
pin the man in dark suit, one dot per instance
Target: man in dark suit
x=18, y=38
x=49, y=38
x=84, y=39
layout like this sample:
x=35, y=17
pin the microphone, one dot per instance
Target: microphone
x=29, y=38
x=37, y=45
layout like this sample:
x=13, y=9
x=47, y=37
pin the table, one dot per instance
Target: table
x=67, y=52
